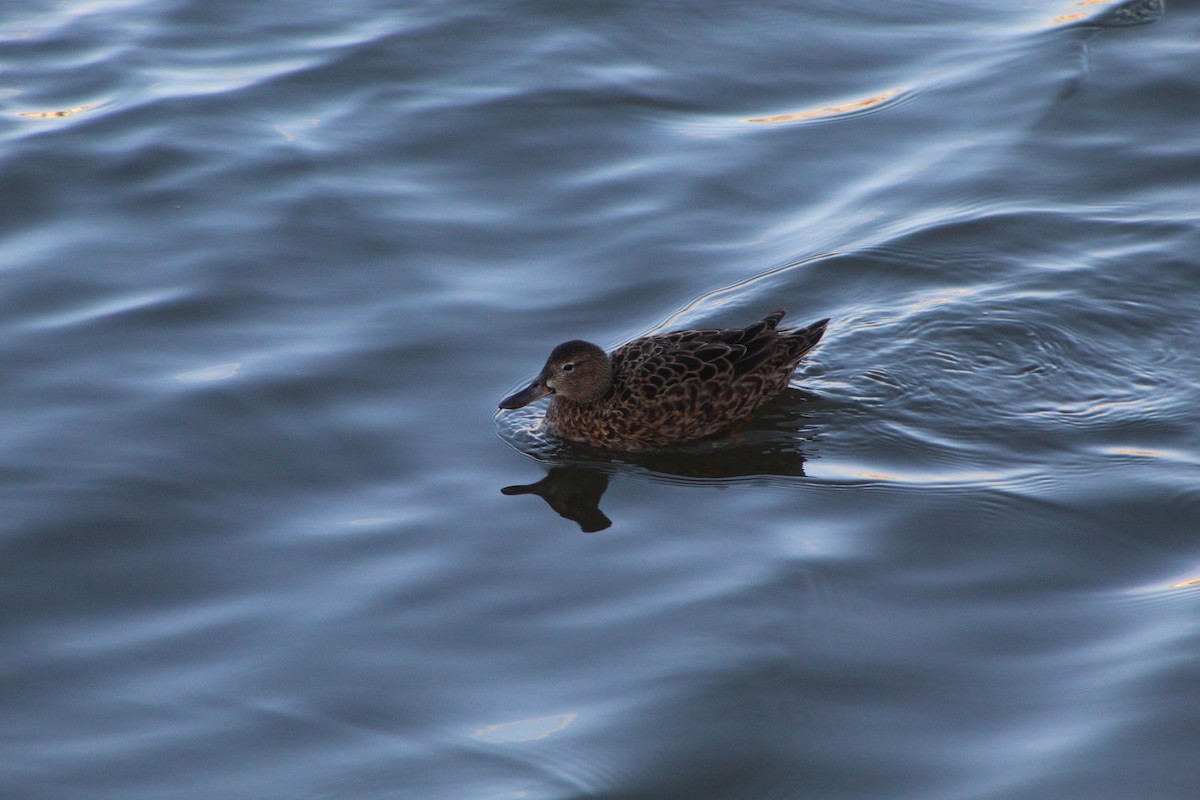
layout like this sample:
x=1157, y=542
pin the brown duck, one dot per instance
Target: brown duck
x=668, y=388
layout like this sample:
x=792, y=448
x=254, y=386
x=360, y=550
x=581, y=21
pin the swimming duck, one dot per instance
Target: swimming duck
x=668, y=388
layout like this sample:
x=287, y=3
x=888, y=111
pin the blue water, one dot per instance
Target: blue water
x=266, y=270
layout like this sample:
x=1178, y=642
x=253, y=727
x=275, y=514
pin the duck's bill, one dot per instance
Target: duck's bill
x=534, y=391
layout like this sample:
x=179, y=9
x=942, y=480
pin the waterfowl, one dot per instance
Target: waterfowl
x=668, y=388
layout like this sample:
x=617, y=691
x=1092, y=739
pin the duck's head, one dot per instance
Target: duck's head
x=576, y=370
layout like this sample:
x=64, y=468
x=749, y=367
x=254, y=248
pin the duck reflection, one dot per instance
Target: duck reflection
x=573, y=492
x=577, y=475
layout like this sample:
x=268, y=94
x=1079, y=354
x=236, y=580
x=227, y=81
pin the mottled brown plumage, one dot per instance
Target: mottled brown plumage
x=668, y=388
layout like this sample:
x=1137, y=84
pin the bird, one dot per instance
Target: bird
x=668, y=388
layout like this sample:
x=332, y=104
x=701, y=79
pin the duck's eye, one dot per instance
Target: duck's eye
x=568, y=367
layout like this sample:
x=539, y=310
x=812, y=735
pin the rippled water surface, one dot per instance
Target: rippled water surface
x=267, y=268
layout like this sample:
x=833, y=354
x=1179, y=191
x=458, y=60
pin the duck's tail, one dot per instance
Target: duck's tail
x=801, y=340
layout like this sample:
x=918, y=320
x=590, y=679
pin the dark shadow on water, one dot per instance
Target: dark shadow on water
x=573, y=492
x=577, y=475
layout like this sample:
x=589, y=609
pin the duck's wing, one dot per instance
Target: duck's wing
x=764, y=346
x=724, y=355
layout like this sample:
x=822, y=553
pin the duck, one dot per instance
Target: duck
x=668, y=388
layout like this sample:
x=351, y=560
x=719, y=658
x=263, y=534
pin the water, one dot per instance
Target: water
x=266, y=271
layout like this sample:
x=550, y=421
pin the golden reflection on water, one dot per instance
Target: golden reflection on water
x=942, y=297
x=1075, y=16
x=1157, y=588
x=66, y=112
x=524, y=730
x=289, y=135
x=829, y=111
